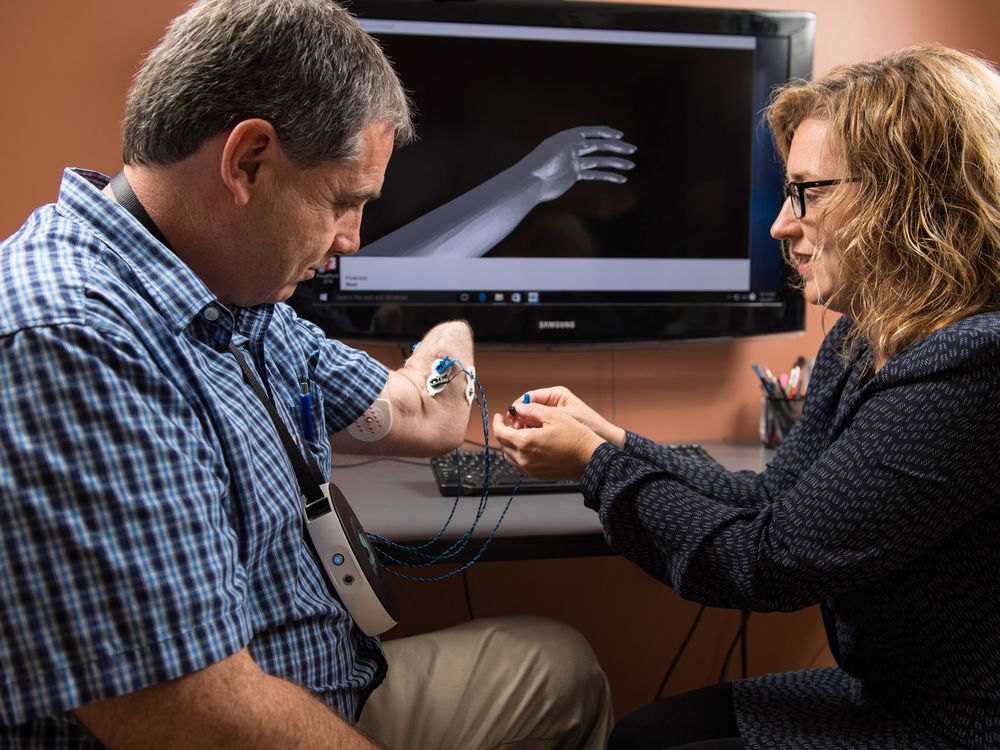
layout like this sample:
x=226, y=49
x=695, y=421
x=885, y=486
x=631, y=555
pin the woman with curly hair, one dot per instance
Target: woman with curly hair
x=883, y=503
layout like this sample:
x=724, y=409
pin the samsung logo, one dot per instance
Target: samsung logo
x=562, y=325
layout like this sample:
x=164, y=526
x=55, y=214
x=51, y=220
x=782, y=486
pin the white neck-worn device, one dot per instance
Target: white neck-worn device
x=348, y=561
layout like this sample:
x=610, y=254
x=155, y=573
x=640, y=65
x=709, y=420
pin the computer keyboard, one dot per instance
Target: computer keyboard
x=461, y=473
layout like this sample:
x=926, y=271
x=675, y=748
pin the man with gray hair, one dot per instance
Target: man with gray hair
x=158, y=591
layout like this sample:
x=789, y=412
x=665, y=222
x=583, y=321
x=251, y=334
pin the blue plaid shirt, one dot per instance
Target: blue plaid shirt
x=150, y=520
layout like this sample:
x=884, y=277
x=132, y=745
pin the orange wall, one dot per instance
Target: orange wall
x=64, y=69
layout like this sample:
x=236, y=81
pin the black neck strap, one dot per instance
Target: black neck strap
x=308, y=474
x=128, y=200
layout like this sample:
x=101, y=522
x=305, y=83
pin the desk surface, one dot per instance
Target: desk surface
x=400, y=501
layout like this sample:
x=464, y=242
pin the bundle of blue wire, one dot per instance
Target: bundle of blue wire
x=389, y=550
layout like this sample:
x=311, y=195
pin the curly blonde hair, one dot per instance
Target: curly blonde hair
x=920, y=130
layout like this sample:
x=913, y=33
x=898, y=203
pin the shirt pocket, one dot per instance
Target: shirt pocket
x=310, y=424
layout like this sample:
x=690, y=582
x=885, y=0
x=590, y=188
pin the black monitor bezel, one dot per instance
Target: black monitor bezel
x=518, y=325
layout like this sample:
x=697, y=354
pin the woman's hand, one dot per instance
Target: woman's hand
x=546, y=442
x=563, y=398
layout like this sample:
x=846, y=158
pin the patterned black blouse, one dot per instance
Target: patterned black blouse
x=882, y=506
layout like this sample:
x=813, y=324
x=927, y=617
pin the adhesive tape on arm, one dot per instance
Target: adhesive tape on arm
x=374, y=424
x=470, y=384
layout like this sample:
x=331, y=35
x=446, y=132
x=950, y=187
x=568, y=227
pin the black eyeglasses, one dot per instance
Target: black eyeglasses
x=796, y=193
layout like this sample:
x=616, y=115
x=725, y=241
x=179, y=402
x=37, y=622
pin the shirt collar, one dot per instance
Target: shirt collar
x=176, y=291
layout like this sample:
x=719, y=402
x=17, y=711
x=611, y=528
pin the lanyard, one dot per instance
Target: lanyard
x=128, y=200
x=309, y=476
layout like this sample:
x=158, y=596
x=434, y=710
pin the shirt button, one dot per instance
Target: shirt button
x=211, y=313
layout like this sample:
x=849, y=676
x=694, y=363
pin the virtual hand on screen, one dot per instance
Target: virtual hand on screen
x=470, y=225
x=564, y=158
x=545, y=442
x=564, y=399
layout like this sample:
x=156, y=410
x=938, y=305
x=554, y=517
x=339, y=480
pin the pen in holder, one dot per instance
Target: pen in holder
x=777, y=417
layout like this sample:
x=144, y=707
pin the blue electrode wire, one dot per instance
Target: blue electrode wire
x=473, y=561
x=460, y=544
x=414, y=548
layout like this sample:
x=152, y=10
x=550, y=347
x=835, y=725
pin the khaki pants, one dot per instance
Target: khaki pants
x=518, y=683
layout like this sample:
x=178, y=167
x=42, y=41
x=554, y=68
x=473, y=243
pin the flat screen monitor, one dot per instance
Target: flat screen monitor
x=516, y=208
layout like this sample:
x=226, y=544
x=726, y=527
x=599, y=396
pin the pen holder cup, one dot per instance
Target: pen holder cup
x=777, y=418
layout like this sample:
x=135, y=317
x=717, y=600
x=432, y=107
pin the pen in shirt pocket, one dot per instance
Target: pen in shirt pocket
x=305, y=409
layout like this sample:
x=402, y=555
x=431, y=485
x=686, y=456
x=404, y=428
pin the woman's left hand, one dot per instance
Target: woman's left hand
x=545, y=442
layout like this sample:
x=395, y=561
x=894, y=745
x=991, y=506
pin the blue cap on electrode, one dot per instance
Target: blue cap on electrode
x=444, y=364
x=338, y=559
x=526, y=399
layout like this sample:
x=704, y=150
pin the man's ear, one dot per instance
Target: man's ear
x=252, y=145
